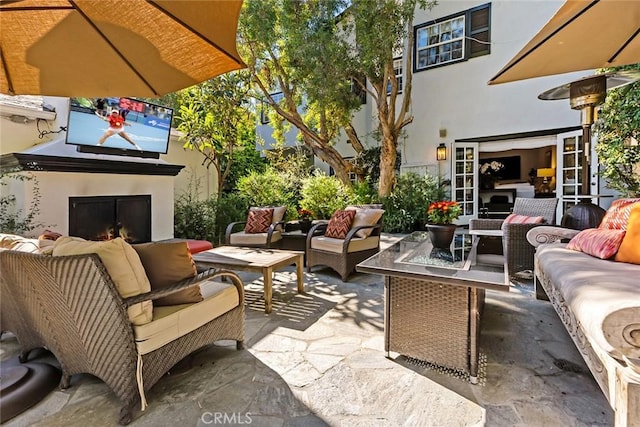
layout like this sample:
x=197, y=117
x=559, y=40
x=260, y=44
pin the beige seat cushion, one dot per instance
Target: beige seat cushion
x=23, y=244
x=335, y=245
x=171, y=322
x=241, y=238
x=365, y=216
x=123, y=265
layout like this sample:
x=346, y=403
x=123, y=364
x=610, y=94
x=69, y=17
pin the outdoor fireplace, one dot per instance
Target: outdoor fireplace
x=108, y=217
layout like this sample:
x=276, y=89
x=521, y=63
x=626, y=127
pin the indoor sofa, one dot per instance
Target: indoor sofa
x=598, y=300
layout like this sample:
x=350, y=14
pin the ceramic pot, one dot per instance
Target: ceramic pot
x=441, y=236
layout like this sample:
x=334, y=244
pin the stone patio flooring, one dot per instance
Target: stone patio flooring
x=318, y=359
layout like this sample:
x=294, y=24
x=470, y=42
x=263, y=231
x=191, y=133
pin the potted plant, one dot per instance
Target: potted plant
x=440, y=217
x=489, y=174
x=304, y=219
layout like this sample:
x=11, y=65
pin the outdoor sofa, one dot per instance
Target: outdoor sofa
x=91, y=304
x=598, y=300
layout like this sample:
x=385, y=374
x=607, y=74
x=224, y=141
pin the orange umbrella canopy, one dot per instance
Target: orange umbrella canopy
x=582, y=35
x=94, y=48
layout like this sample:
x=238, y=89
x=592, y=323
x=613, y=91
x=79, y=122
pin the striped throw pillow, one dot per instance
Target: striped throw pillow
x=597, y=242
x=523, y=219
x=258, y=221
x=340, y=224
x=617, y=215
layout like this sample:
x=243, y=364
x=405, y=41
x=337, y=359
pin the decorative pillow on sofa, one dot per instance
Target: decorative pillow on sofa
x=365, y=216
x=617, y=215
x=597, y=242
x=167, y=263
x=259, y=220
x=630, y=247
x=21, y=244
x=123, y=265
x=523, y=219
x=340, y=224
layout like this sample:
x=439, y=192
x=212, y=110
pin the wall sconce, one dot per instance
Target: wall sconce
x=441, y=152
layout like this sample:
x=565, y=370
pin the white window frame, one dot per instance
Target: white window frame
x=443, y=38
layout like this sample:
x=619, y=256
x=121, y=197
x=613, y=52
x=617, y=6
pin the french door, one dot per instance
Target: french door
x=464, y=179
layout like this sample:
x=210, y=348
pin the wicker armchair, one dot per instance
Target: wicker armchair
x=516, y=248
x=235, y=235
x=342, y=255
x=70, y=305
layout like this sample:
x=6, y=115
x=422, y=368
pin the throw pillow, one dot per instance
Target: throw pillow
x=365, y=216
x=630, y=247
x=167, y=263
x=259, y=220
x=523, y=219
x=597, y=242
x=123, y=265
x=617, y=215
x=340, y=224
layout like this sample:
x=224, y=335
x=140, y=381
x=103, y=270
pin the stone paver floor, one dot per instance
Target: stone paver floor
x=318, y=359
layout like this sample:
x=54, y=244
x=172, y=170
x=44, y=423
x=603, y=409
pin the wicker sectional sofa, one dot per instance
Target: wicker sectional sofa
x=598, y=300
x=73, y=306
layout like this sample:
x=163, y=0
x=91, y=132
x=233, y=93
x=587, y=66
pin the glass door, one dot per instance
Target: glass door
x=464, y=179
x=569, y=170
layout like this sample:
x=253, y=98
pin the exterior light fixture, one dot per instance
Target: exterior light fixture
x=441, y=152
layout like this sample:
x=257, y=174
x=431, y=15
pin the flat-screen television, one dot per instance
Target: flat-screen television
x=123, y=126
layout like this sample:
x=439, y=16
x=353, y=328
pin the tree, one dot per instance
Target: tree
x=217, y=121
x=325, y=52
x=289, y=47
x=381, y=28
x=618, y=129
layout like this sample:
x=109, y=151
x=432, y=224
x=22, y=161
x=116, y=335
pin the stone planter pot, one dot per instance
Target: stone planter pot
x=441, y=236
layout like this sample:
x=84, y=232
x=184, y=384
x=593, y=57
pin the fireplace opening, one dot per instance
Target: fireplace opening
x=108, y=217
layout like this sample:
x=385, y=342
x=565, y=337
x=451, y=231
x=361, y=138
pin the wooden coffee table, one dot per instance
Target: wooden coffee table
x=257, y=260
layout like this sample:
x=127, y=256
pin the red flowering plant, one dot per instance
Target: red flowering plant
x=305, y=214
x=443, y=212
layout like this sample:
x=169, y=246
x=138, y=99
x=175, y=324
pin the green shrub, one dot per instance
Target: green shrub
x=406, y=206
x=12, y=219
x=323, y=195
x=268, y=188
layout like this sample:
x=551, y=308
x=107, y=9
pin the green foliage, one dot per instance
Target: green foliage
x=217, y=121
x=12, y=219
x=269, y=188
x=618, y=146
x=364, y=193
x=323, y=195
x=406, y=206
x=206, y=219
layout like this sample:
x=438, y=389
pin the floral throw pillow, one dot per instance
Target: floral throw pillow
x=600, y=243
x=340, y=224
x=258, y=220
x=617, y=215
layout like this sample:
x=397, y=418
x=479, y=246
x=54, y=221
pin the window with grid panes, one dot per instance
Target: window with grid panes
x=397, y=70
x=454, y=38
x=264, y=111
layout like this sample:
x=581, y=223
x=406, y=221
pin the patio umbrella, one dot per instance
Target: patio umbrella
x=582, y=35
x=98, y=48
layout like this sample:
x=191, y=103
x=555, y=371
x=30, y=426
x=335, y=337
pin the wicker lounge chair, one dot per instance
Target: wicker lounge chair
x=70, y=305
x=342, y=255
x=517, y=250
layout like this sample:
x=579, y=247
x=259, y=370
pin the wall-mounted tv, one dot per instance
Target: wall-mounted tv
x=123, y=126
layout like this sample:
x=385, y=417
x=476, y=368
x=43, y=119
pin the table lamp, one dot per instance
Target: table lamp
x=546, y=174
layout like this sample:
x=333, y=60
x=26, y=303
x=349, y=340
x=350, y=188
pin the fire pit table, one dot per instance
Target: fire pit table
x=434, y=299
